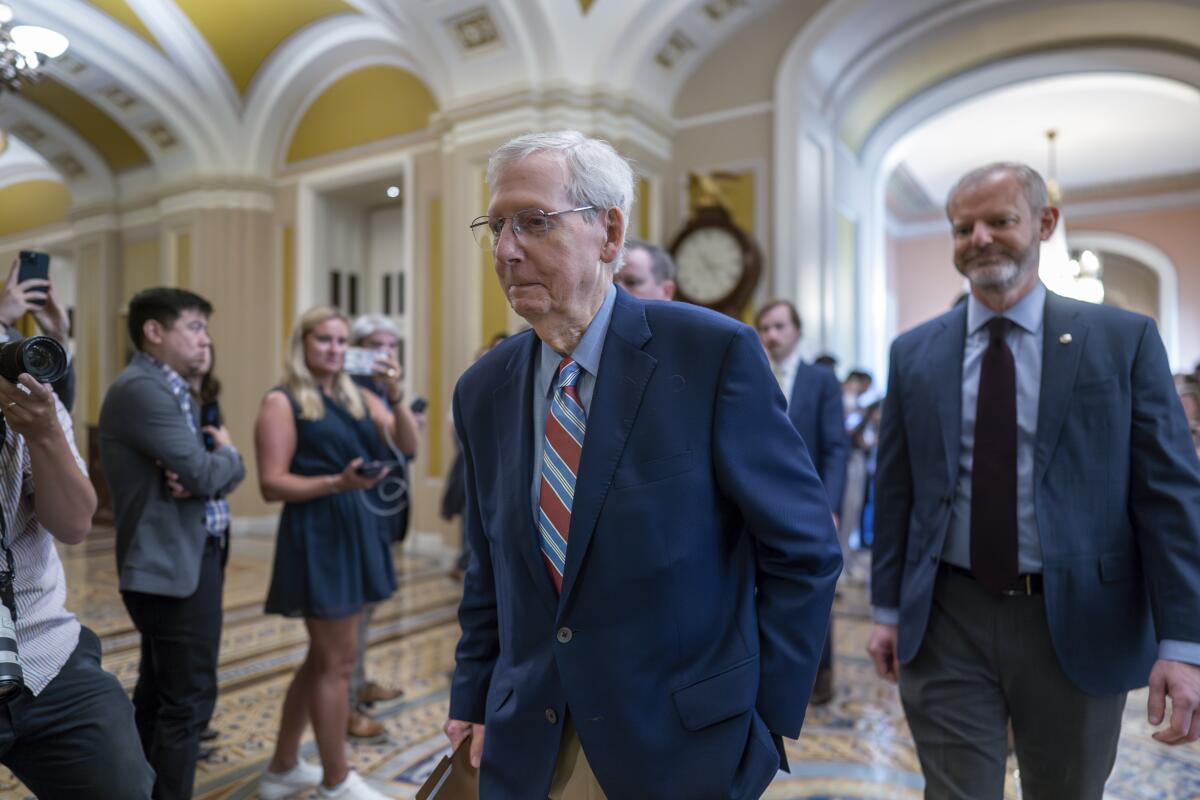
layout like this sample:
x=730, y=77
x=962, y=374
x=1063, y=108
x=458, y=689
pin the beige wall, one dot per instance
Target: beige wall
x=742, y=69
x=924, y=281
x=1176, y=232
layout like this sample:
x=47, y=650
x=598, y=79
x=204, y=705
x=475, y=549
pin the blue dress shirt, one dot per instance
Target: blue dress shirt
x=587, y=355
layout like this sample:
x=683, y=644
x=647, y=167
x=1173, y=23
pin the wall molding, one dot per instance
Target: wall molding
x=725, y=115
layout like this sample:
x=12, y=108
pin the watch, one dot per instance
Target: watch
x=718, y=264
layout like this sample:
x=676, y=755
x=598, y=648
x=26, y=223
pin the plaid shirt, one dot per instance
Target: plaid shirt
x=216, y=509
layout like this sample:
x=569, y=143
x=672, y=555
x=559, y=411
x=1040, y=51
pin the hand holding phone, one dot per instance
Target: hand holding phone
x=369, y=469
x=35, y=266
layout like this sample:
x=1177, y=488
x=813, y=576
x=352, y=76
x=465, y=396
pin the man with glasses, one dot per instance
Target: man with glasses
x=652, y=573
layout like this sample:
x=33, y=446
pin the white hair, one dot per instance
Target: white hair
x=596, y=174
x=368, y=324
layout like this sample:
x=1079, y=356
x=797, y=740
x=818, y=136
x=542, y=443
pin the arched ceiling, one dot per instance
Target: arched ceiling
x=189, y=88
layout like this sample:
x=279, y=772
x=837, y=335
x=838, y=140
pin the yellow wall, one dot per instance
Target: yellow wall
x=32, y=204
x=113, y=141
x=737, y=193
x=365, y=106
x=243, y=35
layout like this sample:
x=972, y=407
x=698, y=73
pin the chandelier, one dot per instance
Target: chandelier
x=1079, y=277
x=23, y=50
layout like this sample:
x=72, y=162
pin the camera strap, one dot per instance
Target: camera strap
x=9, y=571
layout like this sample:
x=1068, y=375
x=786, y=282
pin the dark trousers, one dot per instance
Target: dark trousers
x=827, y=650
x=77, y=738
x=988, y=660
x=177, y=677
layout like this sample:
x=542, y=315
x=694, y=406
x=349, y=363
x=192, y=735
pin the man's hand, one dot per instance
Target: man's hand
x=1180, y=682
x=220, y=435
x=882, y=650
x=52, y=318
x=175, y=487
x=456, y=730
x=31, y=414
x=17, y=298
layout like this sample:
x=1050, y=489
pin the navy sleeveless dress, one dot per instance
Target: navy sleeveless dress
x=329, y=557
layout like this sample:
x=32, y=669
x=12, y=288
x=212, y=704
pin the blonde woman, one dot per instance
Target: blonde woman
x=313, y=434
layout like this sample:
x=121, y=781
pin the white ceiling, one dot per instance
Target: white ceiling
x=1112, y=128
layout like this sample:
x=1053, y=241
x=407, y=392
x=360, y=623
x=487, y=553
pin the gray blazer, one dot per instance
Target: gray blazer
x=160, y=540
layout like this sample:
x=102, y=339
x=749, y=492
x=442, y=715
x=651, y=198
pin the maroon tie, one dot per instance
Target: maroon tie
x=994, y=472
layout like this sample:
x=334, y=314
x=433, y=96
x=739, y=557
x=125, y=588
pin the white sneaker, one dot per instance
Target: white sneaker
x=352, y=788
x=278, y=785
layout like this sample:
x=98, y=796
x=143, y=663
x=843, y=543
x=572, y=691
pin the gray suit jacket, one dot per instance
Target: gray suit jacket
x=159, y=539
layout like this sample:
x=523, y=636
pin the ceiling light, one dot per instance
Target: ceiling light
x=393, y=191
x=1078, y=278
x=23, y=49
x=30, y=39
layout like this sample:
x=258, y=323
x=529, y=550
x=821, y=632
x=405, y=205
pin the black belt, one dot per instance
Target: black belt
x=1026, y=585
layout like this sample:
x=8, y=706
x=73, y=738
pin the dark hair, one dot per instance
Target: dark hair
x=164, y=305
x=774, y=304
x=662, y=266
x=860, y=373
x=210, y=384
x=825, y=360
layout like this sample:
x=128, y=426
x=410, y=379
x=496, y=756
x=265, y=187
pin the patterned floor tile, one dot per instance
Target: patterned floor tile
x=858, y=747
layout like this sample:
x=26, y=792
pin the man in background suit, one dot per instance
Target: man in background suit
x=1037, y=528
x=648, y=272
x=652, y=572
x=169, y=526
x=815, y=407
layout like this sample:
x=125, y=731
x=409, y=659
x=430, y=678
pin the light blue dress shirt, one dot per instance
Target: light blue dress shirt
x=545, y=367
x=1024, y=339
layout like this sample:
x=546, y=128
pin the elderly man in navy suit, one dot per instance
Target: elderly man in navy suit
x=1037, y=527
x=652, y=573
x=814, y=404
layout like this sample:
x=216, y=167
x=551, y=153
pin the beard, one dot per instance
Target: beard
x=996, y=268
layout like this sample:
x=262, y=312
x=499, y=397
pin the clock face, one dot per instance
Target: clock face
x=710, y=265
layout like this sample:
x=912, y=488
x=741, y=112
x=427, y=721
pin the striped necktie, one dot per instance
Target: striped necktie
x=566, y=423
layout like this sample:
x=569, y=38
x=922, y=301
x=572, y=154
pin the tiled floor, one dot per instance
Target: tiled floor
x=856, y=747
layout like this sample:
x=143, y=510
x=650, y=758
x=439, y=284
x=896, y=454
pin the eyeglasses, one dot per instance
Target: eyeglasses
x=532, y=221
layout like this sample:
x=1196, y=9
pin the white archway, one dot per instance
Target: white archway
x=1158, y=262
x=880, y=157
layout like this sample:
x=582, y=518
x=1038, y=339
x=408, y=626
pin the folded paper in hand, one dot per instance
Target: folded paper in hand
x=453, y=778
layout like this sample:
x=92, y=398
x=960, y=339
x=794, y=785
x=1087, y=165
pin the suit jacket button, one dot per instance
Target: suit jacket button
x=551, y=716
x=564, y=635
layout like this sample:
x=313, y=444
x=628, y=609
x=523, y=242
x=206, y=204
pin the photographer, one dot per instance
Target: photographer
x=69, y=732
x=37, y=298
x=388, y=500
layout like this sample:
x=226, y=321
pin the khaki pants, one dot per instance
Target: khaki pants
x=573, y=778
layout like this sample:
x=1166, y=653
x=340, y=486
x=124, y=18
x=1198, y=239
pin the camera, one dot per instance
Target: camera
x=12, y=680
x=42, y=357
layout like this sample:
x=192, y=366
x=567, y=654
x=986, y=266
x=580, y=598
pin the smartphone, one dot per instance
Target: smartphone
x=210, y=416
x=34, y=266
x=369, y=469
x=361, y=361
x=418, y=405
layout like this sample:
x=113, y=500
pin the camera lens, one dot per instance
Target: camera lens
x=40, y=356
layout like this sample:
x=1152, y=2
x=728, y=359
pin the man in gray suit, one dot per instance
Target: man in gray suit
x=1037, y=527
x=168, y=493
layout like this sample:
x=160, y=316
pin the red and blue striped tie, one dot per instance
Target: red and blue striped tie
x=566, y=424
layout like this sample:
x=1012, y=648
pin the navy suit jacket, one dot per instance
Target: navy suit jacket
x=816, y=411
x=699, y=574
x=1116, y=489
